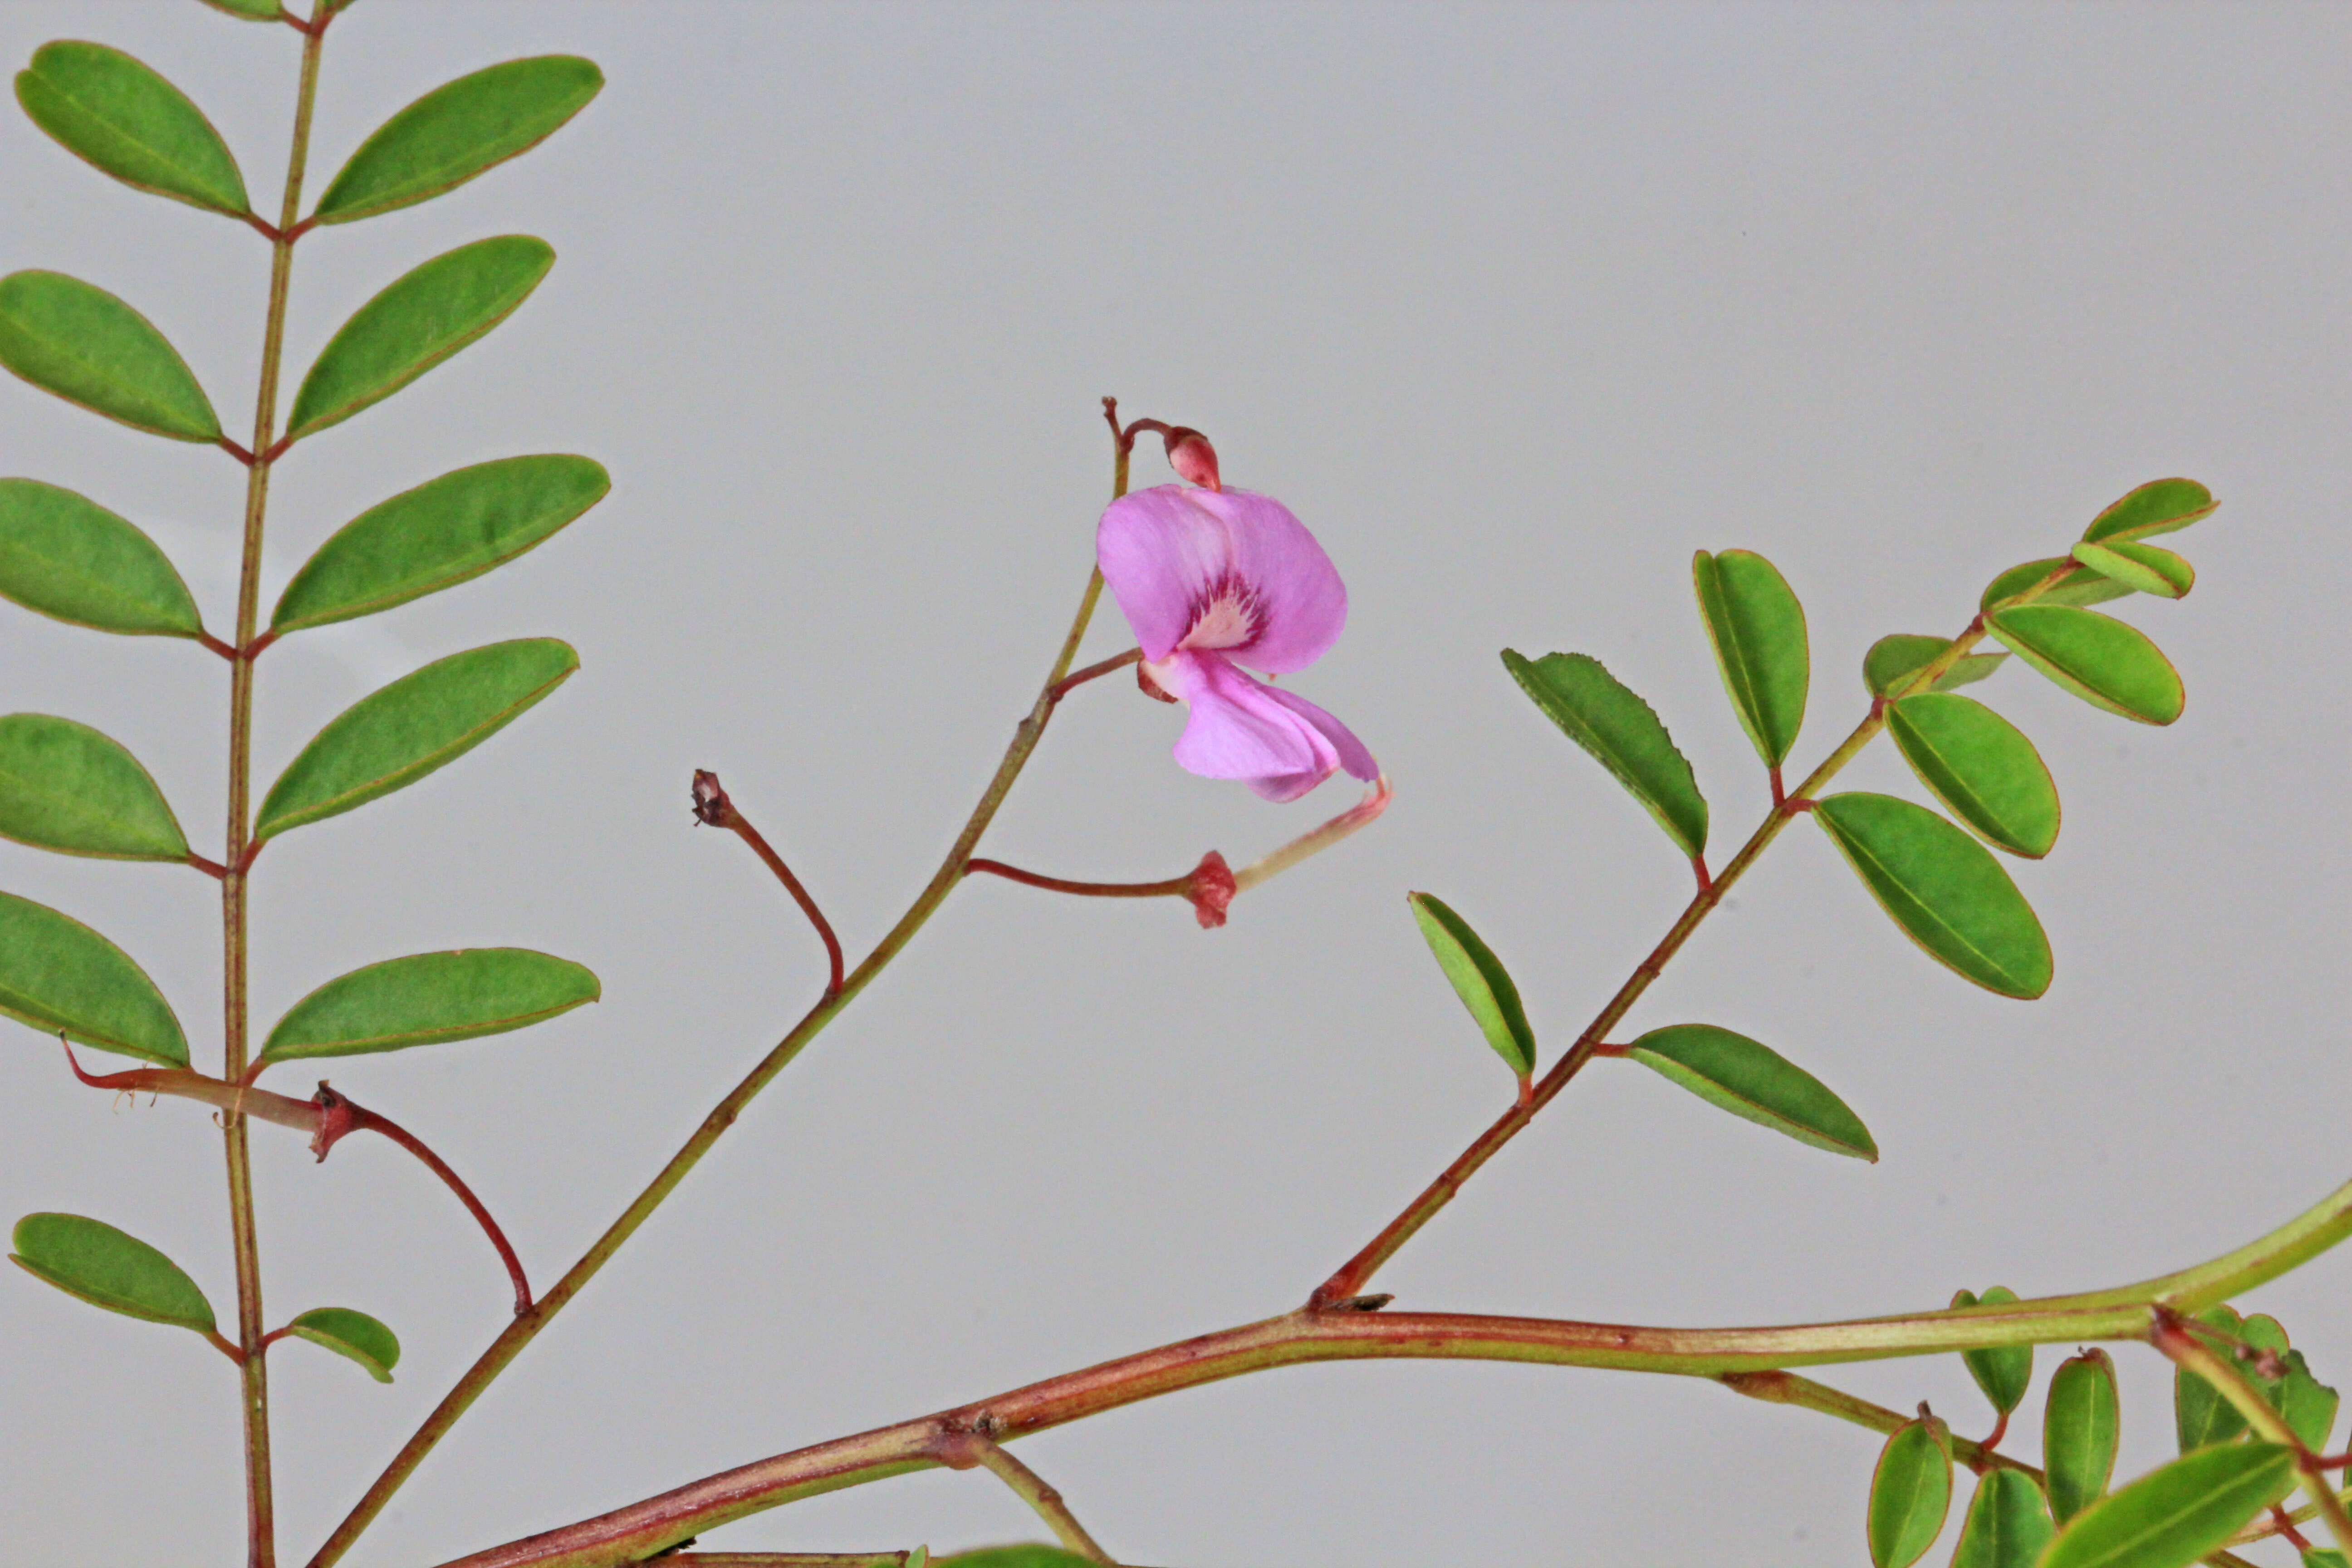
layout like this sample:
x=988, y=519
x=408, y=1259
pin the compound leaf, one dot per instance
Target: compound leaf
x=425, y=720
x=102, y=1265
x=1981, y=767
x=1895, y=659
x=2008, y=1523
x=2175, y=1514
x=116, y=113
x=2081, y=1425
x=1479, y=978
x=1910, y=1493
x=438, y=535
x=76, y=340
x=2145, y=568
x=1596, y=710
x=350, y=1333
x=65, y=786
x=1751, y=1079
x=419, y=319
x=429, y=998
x=1943, y=889
x=2160, y=506
x=2105, y=662
x=65, y=556
x=458, y=130
x=2080, y=587
x=2003, y=1372
x=59, y=976
x=1757, y=628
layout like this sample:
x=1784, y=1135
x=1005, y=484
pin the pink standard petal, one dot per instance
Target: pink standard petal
x=1304, y=602
x=1241, y=729
x=1168, y=550
x=1161, y=555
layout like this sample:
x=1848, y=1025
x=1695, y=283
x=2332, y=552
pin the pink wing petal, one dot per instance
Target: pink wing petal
x=1281, y=746
x=1353, y=756
x=1161, y=553
x=1304, y=602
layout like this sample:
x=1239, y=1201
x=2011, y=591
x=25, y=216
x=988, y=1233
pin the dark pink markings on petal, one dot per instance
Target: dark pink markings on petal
x=1161, y=556
x=1235, y=567
x=1297, y=590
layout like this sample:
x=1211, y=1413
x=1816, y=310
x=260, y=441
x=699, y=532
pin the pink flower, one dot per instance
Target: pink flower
x=1214, y=579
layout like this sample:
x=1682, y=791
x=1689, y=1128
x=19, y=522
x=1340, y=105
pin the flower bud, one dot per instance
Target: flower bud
x=1190, y=454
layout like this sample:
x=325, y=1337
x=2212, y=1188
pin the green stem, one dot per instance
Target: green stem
x=526, y=1326
x=631, y=1534
x=1033, y=1489
x=1352, y=1275
x=253, y=1374
x=2193, y=1355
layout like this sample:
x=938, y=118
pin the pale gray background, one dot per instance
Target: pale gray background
x=1515, y=306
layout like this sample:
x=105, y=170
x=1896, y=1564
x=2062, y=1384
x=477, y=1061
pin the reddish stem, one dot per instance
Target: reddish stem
x=207, y=639
x=712, y=807
x=245, y=861
x=1999, y=1430
x=253, y=650
x=227, y=1346
x=338, y=1115
x=277, y=449
x=1780, y=793
x=242, y=453
x=1173, y=888
x=1061, y=688
x=2283, y=1522
x=267, y=229
x=212, y=868
x=1698, y=866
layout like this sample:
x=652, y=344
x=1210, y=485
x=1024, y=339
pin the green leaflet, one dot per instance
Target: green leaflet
x=65, y=786
x=1624, y=734
x=2200, y=1414
x=247, y=10
x=352, y=1334
x=1757, y=628
x=2008, y=1523
x=2080, y=1427
x=2308, y=1405
x=427, y=999
x=59, y=975
x=1946, y=893
x=65, y=556
x=1037, y=1555
x=104, y=1266
x=1910, y=1493
x=1752, y=1080
x=2174, y=1515
x=119, y=116
x=443, y=532
x=1479, y=978
x=1895, y=659
x=458, y=130
x=419, y=319
x=1981, y=767
x=425, y=720
x=78, y=341
x=2160, y=506
x=2003, y=1372
x=2080, y=587
x=2145, y=568
x=2105, y=662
